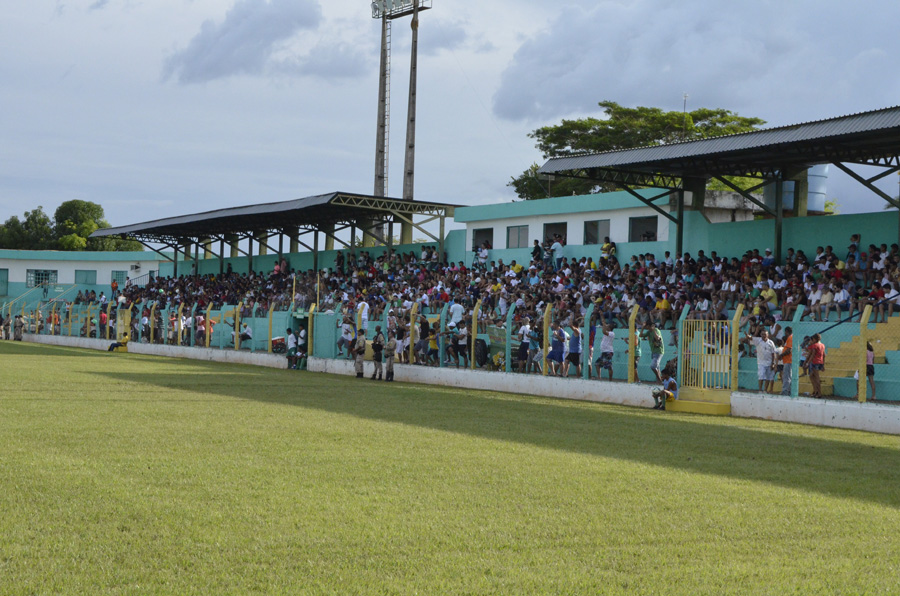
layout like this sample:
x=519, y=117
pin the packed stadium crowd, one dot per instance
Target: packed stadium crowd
x=364, y=287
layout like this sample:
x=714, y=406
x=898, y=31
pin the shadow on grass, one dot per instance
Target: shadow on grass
x=831, y=467
x=21, y=348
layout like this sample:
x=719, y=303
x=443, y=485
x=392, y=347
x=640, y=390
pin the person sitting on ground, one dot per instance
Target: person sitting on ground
x=668, y=392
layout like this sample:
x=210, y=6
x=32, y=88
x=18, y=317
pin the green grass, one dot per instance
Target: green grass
x=127, y=474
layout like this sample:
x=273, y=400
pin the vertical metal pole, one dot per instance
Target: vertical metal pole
x=441, y=242
x=221, y=256
x=315, y=250
x=779, y=216
x=175, y=261
x=250, y=253
x=409, y=161
x=679, y=225
x=381, y=171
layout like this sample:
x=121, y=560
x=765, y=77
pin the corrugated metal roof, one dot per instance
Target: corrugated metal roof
x=775, y=139
x=314, y=210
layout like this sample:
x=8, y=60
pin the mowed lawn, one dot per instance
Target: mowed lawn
x=126, y=474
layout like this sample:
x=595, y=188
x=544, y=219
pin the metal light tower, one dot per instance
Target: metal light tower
x=387, y=11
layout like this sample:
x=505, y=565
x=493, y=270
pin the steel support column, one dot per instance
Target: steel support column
x=779, y=217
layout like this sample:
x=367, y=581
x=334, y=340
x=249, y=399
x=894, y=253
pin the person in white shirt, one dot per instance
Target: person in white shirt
x=765, y=360
x=348, y=332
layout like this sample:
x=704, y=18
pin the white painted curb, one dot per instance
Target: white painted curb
x=625, y=394
x=872, y=417
x=206, y=354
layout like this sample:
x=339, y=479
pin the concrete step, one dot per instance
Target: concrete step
x=698, y=407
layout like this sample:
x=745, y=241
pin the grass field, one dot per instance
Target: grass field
x=126, y=474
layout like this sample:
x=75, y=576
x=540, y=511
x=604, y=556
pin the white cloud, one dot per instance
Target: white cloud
x=781, y=61
x=252, y=31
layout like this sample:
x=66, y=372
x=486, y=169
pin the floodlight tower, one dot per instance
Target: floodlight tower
x=387, y=11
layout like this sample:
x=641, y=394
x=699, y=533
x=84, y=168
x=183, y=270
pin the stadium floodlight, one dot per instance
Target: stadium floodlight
x=392, y=9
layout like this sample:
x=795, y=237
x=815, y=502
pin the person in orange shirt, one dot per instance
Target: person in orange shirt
x=787, y=360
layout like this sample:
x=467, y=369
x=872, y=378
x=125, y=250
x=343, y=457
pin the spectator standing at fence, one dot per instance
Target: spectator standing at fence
x=657, y=348
x=816, y=363
x=291, y=349
x=302, y=341
x=359, y=352
x=575, y=351
x=765, y=360
x=377, y=353
x=787, y=361
x=18, y=328
x=607, y=351
x=634, y=351
x=348, y=331
x=390, y=349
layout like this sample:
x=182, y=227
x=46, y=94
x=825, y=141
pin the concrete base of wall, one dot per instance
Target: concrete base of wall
x=820, y=412
x=207, y=354
x=597, y=391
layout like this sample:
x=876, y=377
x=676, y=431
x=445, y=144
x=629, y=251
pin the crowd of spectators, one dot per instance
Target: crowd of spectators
x=826, y=283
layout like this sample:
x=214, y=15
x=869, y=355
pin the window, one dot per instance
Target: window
x=552, y=229
x=120, y=277
x=4, y=282
x=517, y=237
x=38, y=277
x=481, y=236
x=595, y=231
x=642, y=229
x=86, y=276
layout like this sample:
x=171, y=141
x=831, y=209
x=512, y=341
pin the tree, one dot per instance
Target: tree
x=34, y=232
x=70, y=230
x=623, y=128
x=76, y=220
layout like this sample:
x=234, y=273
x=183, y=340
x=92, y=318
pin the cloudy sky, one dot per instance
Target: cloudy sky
x=163, y=107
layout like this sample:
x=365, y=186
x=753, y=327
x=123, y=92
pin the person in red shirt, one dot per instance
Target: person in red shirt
x=815, y=356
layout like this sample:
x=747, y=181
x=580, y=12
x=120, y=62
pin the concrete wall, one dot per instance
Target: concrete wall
x=819, y=412
x=579, y=389
x=210, y=354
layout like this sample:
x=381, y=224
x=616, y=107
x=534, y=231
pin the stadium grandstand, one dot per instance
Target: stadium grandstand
x=603, y=286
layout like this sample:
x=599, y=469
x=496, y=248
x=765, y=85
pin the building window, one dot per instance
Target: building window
x=4, y=282
x=517, y=237
x=642, y=229
x=595, y=231
x=120, y=277
x=39, y=277
x=481, y=236
x=551, y=230
x=86, y=277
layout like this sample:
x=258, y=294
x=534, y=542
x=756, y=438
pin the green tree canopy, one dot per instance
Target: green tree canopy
x=73, y=223
x=623, y=128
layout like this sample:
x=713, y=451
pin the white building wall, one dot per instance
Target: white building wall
x=619, y=226
x=66, y=269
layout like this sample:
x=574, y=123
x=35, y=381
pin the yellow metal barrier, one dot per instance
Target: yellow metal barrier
x=863, y=341
x=548, y=313
x=153, y=322
x=209, y=325
x=475, y=315
x=309, y=332
x=413, y=313
x=735, y=340
x=237, y=325
x=271, y=310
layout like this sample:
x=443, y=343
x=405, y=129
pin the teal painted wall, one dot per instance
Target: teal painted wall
x=607, y=201
x=733, y=239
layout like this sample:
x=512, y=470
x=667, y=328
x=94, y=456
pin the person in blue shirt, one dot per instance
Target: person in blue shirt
x=668, y=392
